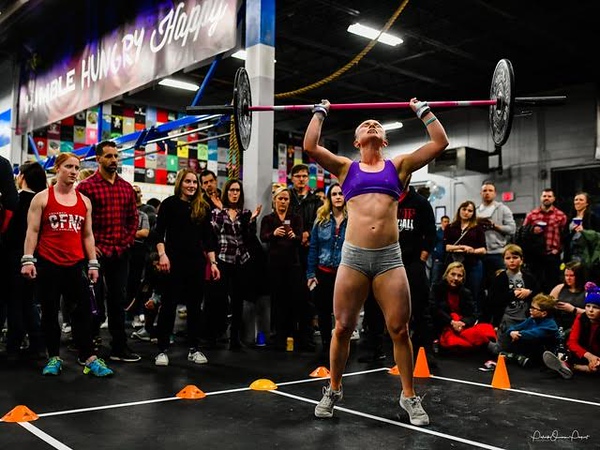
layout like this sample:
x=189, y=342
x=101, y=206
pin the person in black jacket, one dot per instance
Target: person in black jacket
x=510, y=286
x=304, y=203
x=8, y=204
x=455, y=314
x=184, y=241
x=416, y=224
x=23, y=317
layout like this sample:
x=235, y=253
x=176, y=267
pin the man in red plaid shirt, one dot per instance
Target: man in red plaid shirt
x=114, y=223
x=550, y=221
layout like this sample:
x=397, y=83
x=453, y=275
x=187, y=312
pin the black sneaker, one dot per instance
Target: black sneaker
x=125, y=355
x=555, y=363
x=523, y=361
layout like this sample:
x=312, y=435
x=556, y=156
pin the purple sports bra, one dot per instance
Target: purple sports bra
x=385, y=181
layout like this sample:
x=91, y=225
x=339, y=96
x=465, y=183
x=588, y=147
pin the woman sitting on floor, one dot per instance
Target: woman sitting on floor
x=455, y=314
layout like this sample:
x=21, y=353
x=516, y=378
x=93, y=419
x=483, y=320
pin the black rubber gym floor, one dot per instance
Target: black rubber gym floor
x=138, y=407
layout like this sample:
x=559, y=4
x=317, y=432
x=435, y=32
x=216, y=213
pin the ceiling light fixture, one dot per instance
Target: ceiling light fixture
x=372, y=33
x=170, y=82
x=392, y=126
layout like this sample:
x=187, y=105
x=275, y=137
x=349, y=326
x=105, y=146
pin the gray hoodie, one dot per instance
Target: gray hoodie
x=502, y=216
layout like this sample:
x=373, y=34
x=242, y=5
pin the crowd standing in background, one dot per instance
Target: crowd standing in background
x=492, y=286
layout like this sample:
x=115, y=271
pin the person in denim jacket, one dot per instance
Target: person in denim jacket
x=324, y=254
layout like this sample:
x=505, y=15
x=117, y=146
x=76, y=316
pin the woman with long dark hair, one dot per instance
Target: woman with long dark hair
x=184, y=235
x=324, y=255
x=234, y=225
x=570, y=295
x=465, y=242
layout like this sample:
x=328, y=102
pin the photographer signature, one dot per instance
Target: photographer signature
x=555, y=436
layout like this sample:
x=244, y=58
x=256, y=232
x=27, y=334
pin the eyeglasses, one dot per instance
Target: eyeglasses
x=535, y=308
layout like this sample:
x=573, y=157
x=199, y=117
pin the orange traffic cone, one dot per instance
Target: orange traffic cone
x=421, y=366
x=320, y=372
x=191, y=392
x=500, y=379
x=20, y=413
x=394, y=371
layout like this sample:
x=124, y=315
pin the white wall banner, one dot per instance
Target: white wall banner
x=154, y=45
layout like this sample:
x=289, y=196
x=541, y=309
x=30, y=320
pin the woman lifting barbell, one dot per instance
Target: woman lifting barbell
x=371, y=257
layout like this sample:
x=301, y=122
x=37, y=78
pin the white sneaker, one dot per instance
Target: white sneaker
x=355, y=335
x=141, y=334
x=324, y=408
x=416, y=413
x=137, y=322
x=197, y=357
x=161, y=360
x=66, y=328
x=104, y=325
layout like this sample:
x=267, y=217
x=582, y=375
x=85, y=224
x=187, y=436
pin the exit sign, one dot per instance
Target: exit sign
x=508, y=196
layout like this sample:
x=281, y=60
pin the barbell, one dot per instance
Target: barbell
x=502, y=104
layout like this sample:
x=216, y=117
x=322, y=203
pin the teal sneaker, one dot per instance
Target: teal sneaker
x=97, y=368
x=53, y=367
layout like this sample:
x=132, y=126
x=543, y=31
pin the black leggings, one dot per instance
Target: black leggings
x=183, y=284
x=72, y=283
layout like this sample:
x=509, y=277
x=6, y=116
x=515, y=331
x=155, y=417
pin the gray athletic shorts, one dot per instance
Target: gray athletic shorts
x=371, y=261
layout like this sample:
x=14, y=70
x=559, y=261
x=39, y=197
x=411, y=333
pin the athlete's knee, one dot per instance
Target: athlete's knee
x=398, y=331
x=344, y=328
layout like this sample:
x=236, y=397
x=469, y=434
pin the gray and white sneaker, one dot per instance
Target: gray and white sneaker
x=142, y=335
x=416, y=413
x=161, y=360
x=197, y=357
x=555, y=363
x=324, y=408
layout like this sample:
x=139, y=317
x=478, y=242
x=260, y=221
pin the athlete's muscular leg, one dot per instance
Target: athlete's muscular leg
x=350, y=292
x=392, y=293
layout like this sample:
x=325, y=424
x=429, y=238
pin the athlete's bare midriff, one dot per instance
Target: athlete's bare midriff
x=372, y=221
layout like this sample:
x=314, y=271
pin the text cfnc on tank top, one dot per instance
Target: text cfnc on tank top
x=60, y=235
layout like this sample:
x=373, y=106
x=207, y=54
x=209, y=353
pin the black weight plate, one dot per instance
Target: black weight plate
x=242, y=100
x=502, y=90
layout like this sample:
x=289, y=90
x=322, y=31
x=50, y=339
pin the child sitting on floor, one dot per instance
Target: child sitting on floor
x=584, y=340
x=528, y=339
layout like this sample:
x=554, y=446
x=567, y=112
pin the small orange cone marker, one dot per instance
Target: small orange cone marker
x=421, y=367
x=320, y=372
x=263, y=385
x=500, y=379
x=394, y=371
x=20, y=413
x=191, y=392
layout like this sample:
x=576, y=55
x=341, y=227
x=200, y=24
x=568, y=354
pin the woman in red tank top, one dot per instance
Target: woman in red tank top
x=60, y=232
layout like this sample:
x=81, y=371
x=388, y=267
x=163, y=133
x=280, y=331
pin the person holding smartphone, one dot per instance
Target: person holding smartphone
x=282, y=231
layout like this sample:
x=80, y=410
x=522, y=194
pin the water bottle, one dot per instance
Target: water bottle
x=560, y=349
x=290, y=344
